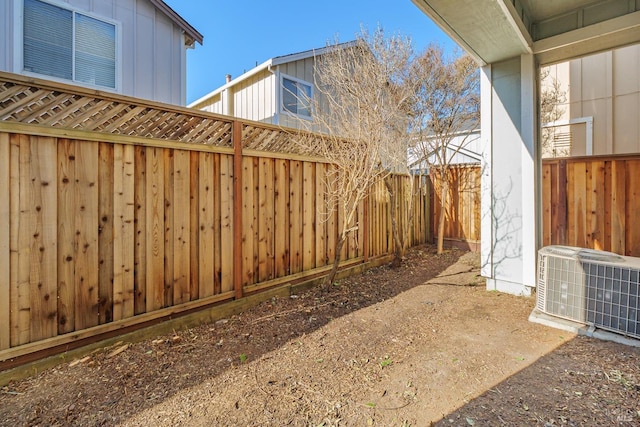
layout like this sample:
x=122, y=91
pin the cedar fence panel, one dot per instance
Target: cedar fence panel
x=591, y=202
x=462, y=205
x=125, y=219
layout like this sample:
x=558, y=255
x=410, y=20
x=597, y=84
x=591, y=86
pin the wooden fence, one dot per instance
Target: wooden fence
x=592, y=202
x=462, y=207
x=111, y=216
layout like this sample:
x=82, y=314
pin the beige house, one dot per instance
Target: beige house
x=275, y=92
x=129, y=47
x=601, y=95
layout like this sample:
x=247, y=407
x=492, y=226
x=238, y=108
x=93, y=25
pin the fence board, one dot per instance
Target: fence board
x=140, y=223
x=86, y=244
x=217, y=224
x=308, y=216
x=226, y=223
x=205, y=237
x=5, y=235
x=194, y=220
x=125, y=228
x=155, y=229
x=43, y=269
x=181, y=225
x=281, y=217
x=618, y=207
x=633, y=207
x=169, y=232
x=247, y=221
x=266, y=216
x=66, y=235
x=321, y=223
x=295, y=220
x=106, y=190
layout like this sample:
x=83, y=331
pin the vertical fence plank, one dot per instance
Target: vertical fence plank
x=127, y=230
x=118, y=219
x=596, y=205
x=23, y=218
x=546, y=204
x=578, y=226
x=181, y=227
x=321, y=220
x=618, y=207
x=44, y=250
x=255, y=215
x=205, y=246
x=155, y=228
x=217, y=225
x=107, y=181
x=5, y=253
x=194, y=220
x=227, y=259
x=308, y=216
x=330, y=212
x=86, y=277
x=266, y=193
x=66, y=234
x=295, y=211
x=608, y=214
x=281, y=217
x=633, y=207
x=140, y=223
x=169, y=219
x=247, y=221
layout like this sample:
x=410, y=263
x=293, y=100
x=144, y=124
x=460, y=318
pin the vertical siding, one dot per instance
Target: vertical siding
x=607, y=87
x=252, y=98
x=6, y=44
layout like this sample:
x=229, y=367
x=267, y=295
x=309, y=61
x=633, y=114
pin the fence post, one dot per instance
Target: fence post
x=236, y=138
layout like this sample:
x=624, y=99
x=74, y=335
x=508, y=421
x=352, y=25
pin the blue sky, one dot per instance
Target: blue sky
x=240, y=33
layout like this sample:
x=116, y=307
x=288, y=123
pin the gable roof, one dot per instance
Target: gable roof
x=192, y=35
x=268, y=64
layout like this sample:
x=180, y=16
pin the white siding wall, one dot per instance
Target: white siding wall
x=153, y=53
x=253, y=98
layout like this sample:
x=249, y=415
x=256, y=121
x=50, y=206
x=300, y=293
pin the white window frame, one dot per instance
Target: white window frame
x=19, y=46
x=281, y=101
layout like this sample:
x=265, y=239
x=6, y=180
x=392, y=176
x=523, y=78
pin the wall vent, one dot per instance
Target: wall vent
x=592, y=287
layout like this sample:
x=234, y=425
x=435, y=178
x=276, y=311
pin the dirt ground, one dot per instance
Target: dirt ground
x=386, y=348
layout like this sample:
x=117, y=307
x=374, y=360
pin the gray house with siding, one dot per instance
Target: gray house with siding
x=275, y=92
x=130, y=47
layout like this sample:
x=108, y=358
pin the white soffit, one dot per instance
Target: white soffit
x=555, y=30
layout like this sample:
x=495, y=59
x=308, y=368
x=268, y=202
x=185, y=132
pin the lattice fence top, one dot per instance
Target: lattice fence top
x=45, y=103
x=30, y=103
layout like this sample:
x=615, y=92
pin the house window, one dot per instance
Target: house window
x=66, y=44
x=296, y=97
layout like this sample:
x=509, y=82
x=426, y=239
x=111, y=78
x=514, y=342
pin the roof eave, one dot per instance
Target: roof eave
x=191, y=34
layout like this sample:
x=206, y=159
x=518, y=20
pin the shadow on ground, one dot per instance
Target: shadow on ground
x=584, y=382
x=105, y=389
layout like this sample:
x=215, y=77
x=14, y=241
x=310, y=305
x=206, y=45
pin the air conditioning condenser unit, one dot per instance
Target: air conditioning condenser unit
x=592, y=287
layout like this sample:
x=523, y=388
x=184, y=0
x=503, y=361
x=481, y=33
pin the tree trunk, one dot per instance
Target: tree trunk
x=328, y=280
x=398, y=251
x=444, y=193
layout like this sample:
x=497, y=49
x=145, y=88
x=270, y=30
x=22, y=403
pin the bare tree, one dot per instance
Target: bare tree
x=360, y=108
x=445, y=110
x=552, y=99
